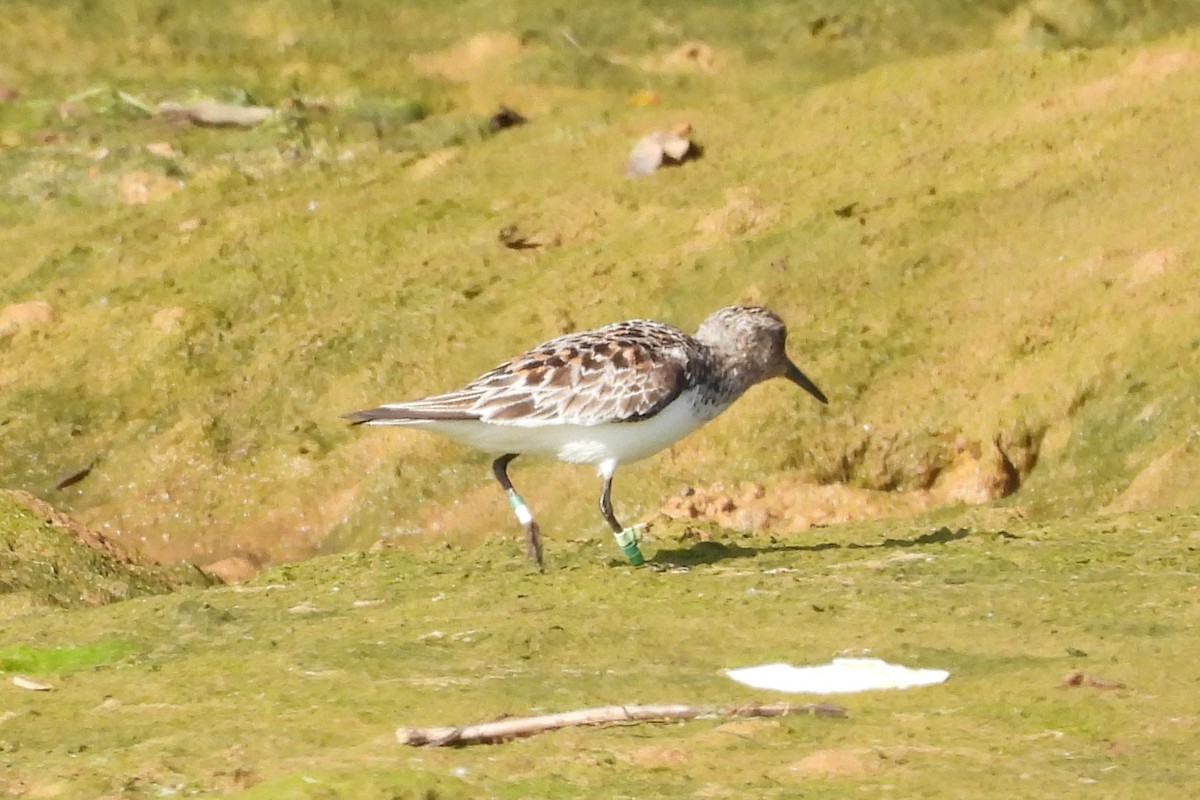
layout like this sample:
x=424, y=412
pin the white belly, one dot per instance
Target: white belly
x=605, y=445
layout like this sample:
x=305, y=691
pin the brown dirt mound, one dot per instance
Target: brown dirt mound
x=49, y=560
x=793, y=502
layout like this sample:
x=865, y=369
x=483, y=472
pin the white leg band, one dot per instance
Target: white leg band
x=524, y=515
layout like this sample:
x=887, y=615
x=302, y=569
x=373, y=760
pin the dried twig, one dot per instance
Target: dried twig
x=514, y=727
x=217, y=115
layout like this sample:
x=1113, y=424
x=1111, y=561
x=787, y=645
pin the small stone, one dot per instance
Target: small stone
x=661, y=148
x=234, y=569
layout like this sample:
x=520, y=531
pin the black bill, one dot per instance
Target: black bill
x=793, y=374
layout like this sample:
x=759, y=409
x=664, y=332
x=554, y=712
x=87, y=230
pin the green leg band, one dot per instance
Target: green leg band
x=524, y=515
x=627, y=540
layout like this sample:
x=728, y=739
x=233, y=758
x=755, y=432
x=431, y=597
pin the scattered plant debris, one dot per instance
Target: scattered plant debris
x=662, y=148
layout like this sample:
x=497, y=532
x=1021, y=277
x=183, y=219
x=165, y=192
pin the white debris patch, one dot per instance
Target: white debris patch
x=842, y=676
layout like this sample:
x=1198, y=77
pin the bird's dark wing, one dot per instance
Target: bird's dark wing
x=624, y=372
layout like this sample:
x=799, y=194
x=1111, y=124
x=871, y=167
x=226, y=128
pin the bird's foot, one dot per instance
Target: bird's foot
x=627, y=540
x=533, y=544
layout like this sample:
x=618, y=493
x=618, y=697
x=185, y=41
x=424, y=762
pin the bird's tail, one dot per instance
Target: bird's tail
x=404, y=414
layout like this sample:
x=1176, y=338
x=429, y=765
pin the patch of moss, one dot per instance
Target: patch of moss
x=48, y=561
x=24, y=658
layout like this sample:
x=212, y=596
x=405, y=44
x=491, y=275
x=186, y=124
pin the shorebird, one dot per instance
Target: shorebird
x=605, y=397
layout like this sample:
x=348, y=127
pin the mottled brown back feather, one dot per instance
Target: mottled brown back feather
x=620, y=373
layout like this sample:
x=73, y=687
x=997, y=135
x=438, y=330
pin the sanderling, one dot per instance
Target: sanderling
x=606, y=397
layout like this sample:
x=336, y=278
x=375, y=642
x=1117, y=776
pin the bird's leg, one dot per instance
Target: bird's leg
x=626, y=537
x=533, y=536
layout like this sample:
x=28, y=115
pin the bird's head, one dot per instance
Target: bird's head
x=751, y=342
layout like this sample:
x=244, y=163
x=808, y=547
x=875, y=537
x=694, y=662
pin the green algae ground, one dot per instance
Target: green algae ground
x=979, y=219
x=292, y=685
